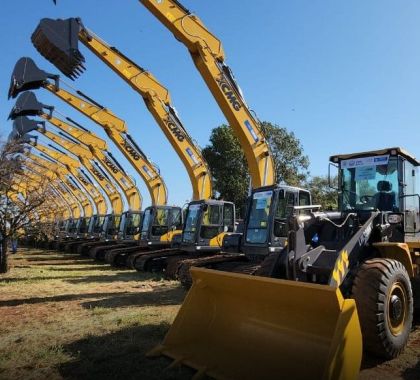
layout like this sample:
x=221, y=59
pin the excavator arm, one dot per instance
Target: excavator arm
x=98, y=148
x=53, y=171
x=26, y=75
x=84, y=155
x=155, y=96
x=77, y=139
x=207, y=53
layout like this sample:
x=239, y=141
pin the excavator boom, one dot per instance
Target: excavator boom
x=207, y=53
x=57, y=41
x=26, y=75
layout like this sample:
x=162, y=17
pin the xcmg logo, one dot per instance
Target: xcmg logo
x=230, y=95
x=131, y=151
x=98, y=174
x=176, y=131
x=83, y=180
x=71, y=186
x=108, y=163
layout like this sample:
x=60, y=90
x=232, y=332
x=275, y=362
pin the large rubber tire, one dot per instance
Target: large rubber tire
x=384, y=299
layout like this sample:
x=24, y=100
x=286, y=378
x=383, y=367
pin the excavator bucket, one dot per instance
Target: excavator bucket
x=26, y=105
x=57, y=41
x=23, y=125
x=235, y=326
x=27, y=76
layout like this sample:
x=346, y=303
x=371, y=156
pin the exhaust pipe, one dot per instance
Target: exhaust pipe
x=27, y=76
x=28, y=105
x=57, y=41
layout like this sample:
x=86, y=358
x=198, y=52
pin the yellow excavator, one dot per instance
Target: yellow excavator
x=216, y=218
x=27, y=104
x=34, y=178
x=53, y=160
x=86, y=156
x=104, y=223
x=167, y=220
x=81, y=227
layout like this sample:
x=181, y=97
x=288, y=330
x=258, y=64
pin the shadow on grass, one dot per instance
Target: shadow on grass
x=120, y=276
x=34, y=279
x=156, y=297
x=105, y=268
x=72, y=257
x=121, y=355
x=60, y=264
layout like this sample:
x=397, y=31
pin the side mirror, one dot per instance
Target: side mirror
x=334, y=170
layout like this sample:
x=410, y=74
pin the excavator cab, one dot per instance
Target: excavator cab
x=130, y=225
x=110, y=227
x=159, y=225
x=266, y=229
x=82, y=230
x=207, y=222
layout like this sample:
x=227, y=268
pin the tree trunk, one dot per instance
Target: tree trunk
x=4, y=267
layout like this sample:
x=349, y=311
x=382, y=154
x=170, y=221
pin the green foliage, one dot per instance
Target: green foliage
x=291, y=164
x=322, y=193
x=228, y=165
x=230, y=170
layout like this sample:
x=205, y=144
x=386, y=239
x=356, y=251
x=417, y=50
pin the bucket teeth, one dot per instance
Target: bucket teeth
x=57, y=41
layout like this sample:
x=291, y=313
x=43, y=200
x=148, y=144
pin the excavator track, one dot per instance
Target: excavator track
x=213, y=262
x=155, y=260
x=118, y=257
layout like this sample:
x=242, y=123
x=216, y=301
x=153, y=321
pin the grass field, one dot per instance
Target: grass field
x=67, y=317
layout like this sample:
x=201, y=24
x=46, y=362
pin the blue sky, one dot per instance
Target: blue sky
x=342, y=75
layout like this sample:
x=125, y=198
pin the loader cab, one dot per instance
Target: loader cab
x=206, y=223
x=384, y=180
x=130, y=225
x=160, y=224
x=265, y=226
x=110, y=226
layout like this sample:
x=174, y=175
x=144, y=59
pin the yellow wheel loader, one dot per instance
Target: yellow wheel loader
x=344, y=277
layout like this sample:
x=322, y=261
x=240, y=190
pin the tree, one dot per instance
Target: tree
x=20, y=205
x=322, y=193
x=230, y=170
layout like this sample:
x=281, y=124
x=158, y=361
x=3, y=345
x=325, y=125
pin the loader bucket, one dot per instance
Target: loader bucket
x=23, y=125
x=26, y=105
x=57, y=40
x=27, y=76
x=235, y=326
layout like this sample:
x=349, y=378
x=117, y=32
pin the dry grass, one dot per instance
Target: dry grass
x=63, y=316
x=66, y=317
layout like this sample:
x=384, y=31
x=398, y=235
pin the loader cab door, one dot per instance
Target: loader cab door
x=411, y=199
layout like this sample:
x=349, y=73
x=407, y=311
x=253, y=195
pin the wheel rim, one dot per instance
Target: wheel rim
x=397, y=308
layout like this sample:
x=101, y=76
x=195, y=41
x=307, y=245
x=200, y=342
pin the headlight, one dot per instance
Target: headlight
x=394, y=218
